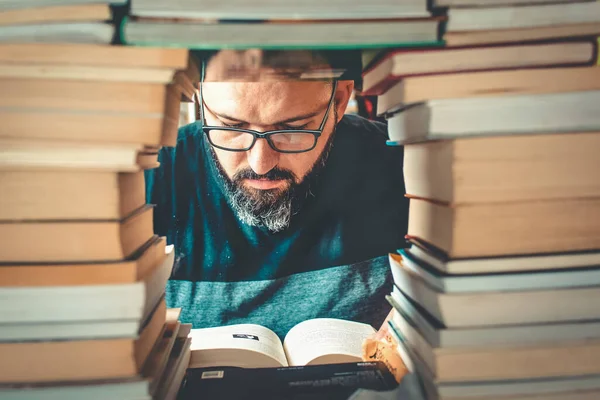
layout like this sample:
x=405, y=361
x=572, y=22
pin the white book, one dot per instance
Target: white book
x=195, y=34
x=493, y=116
x=485, y=265
x=276, y=9
x=86, y=73
x=496, y=3
x=73, y=330
x=124, y=389
x=72, y=303
x=519, y=16
x=585, y=387
x=72, y=32
x=156, y=281
x=311, y=342
x=438, y=335
x=14, y=4
x=495, y=308
x=501, y=362
x=86, y=303
x=179, y=360
x=482, y=283
x=63, y=154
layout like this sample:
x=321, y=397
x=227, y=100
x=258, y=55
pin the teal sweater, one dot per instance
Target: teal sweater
x=330, y=262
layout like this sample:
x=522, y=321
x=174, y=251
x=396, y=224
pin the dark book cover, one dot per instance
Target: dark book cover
x=333, y=381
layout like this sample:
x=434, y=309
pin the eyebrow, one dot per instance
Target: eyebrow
x=293, y=119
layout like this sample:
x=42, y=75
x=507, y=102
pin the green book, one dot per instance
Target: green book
x=277, y=35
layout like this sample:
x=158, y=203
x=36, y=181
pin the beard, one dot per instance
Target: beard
x=272, y=209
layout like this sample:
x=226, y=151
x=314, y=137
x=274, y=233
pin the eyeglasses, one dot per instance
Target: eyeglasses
x=283, y=141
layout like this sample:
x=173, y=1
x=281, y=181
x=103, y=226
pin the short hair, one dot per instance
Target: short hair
x=346, y=63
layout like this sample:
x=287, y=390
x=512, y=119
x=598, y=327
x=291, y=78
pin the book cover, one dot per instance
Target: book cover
x=332, y=381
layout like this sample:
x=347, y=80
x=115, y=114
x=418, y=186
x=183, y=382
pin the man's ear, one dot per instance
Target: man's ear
x=342, y=97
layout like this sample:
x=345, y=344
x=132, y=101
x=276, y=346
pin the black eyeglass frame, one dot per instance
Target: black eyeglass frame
x=263, y=135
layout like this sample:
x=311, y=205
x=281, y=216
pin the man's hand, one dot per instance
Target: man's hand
x=382, y=346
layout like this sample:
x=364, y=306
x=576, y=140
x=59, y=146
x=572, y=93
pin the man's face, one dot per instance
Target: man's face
x=264, y=178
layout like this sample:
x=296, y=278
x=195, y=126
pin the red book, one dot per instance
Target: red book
x=403, y=63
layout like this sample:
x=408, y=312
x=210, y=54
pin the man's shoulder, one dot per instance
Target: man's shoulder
x=369, y=138
x=188, y=136
x=361, y=127
x=360, y=150
x=189, y=132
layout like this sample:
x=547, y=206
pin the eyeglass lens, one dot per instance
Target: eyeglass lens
x=237, y=140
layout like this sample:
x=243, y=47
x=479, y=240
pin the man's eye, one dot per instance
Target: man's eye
x=294, y=128
x=233, y=125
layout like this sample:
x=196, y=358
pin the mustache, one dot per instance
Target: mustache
x=275, y=174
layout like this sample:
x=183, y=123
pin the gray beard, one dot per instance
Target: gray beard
x=271, y=209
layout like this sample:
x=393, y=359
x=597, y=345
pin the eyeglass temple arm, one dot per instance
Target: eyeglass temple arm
x=329, y=106
x=201, y=97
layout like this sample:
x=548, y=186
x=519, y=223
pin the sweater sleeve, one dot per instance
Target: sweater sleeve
x=161, y=186
x=160, y=191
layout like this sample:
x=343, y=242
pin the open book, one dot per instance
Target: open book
x=312, y=342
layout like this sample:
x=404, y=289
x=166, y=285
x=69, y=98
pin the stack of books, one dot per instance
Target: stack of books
x=496, y=296
x=308, y=24
x=497, y=21
x=57, y=21
x=82, y=275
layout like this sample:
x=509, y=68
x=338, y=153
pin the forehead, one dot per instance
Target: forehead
x=264, y=102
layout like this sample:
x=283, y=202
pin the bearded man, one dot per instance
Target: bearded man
x=281, y=208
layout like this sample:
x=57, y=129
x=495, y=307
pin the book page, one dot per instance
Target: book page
x=244, y=345
x=325, y=341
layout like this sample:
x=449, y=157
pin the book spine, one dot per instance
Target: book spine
x=392, y=79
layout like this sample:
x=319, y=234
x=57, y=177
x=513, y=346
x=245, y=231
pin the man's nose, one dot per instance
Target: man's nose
x=262, y=158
